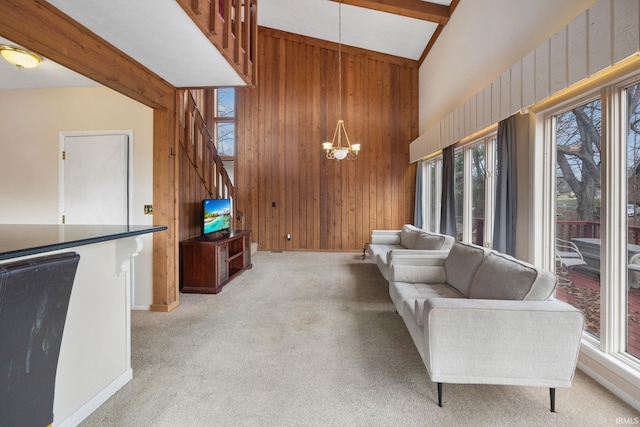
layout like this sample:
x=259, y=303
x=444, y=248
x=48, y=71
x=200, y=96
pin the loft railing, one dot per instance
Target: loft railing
x=232, y=26
x=200, y=148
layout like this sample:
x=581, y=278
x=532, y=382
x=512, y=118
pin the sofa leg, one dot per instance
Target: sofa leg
x=552, y=394
x=440, y=395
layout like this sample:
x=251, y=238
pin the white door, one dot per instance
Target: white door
x=94, y=179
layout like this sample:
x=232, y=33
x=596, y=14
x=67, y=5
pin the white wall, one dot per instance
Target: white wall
x=604, y=35
x=31, y=121
x=481, y=41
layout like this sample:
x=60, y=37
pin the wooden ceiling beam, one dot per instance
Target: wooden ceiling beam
x=417, y=9
x=436, y=34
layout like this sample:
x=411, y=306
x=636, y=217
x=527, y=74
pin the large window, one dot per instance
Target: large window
x=596, y=149
x=474, y=191
x=479, y=178
x=432, y=194
x=578, y=189
x=632, y=123
x=460, y=185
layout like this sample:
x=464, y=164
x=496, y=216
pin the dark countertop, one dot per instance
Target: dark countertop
x=17, y=240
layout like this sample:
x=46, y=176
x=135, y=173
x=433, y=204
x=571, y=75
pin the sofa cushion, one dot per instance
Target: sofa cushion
x=448, y=243
x=408, y=236
x=427, y=292
x=461, y=265
x=503, y=277
x=543, y=287
x=428, y=241
x=403, y=294
x=430, y=272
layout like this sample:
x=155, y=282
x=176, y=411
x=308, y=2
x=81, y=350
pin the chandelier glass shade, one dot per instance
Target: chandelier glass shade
x=335, y=149
x=19, y=57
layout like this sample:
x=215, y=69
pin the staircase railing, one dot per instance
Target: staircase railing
x=232, y=26
x=201, y=150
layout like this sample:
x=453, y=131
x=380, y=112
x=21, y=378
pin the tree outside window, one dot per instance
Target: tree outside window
x=579, y=211
x=225, y=122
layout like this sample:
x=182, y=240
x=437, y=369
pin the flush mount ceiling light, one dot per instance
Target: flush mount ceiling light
x=335, y=149
x=20, y=57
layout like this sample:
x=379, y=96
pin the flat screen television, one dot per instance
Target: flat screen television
x=216, y=215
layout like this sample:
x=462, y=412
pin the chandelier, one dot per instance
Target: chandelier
x=335, y=149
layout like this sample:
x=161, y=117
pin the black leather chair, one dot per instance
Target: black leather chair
x=34, y=297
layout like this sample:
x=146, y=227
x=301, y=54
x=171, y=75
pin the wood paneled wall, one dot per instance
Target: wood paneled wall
x=285, y=183
x=202, y=173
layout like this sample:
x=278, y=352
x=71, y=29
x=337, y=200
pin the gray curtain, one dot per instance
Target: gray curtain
x=448, y=208
x=504, y=229
x=418, y=214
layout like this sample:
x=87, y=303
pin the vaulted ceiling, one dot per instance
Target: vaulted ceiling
x=158, y=34
x=396, y=27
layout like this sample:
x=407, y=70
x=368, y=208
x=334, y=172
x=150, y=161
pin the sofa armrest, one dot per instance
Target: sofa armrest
x=501, y=341
x=385, y=237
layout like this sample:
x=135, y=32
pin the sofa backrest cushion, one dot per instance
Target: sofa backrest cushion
x=461, y=265
x=434, y=241
x=506, y=278
x=428, y=241
x=408, y=236
x=449, y=241
x=544, y=286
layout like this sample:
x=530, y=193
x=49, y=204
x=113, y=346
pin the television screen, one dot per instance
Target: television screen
x=216, y=215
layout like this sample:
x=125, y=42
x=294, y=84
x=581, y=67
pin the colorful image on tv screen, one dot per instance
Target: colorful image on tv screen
x=217, y=215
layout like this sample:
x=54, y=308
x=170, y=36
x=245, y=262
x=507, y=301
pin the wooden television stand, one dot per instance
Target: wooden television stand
x=210, y=262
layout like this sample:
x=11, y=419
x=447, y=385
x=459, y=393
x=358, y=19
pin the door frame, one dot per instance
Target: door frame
x=61, y=138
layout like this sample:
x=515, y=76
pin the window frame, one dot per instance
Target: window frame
x=488, y=139
x=220, y=120
x=611, y=347
x=489, y=142
x=428, y=185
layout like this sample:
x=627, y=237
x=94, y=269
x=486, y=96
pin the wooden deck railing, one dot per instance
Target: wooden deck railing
x=568, y=230
x=201, y=150
x=232, y=26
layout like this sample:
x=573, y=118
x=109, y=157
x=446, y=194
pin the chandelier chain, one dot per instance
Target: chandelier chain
x=340, y=58
x=335, y=149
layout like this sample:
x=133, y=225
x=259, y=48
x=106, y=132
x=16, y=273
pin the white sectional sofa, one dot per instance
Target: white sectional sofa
x=478, y=316
x=406, y=246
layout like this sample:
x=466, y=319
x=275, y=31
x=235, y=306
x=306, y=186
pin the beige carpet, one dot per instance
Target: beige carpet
x=312, y=339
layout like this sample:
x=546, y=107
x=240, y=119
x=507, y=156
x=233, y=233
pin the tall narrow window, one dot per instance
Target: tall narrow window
x=433, y=175
x=577, y=142
x=459, y=192
x=225, y=122
x=475, y=191
x=478, y=182
x=633, y=219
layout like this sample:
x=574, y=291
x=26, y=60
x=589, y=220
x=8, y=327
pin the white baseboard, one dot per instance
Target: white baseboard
x=613, y=374
x=96, y=401
x=142, y=307
x=627, y=398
